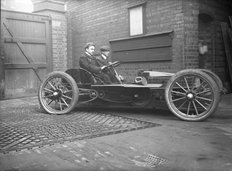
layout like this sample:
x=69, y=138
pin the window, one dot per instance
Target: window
x=136, y=20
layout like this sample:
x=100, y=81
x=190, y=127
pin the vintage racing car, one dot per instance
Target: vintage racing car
x=190, y=94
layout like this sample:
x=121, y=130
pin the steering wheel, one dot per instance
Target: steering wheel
x=113, y=64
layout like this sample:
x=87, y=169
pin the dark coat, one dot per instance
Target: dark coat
x=110, y=72
x=101, y=61
x=89, y=63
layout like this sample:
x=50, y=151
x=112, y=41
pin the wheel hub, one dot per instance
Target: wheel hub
x=190, y=96
x=57, y=94
x=93, y=94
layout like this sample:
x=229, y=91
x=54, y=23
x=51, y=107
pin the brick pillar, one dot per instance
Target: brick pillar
x=191, y=11
x=56, y=10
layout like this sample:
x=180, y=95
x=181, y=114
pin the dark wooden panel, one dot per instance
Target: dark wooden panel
x=142, y=42
x=24, y=40
x=21, y=82
x=2, y=77
x=37, y=53
x=25, y=16
x=227, y=45
x=230, y=18
x=152, y=54
x=154, y=47
x=27, y=47
x=26, y=29
x=25, y=66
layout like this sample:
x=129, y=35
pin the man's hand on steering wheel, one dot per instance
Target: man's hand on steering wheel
x=104, y=68
x=111, y=64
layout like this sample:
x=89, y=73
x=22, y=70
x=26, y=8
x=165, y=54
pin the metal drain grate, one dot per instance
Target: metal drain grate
x=149, y=160
x=27, y=127
x=153, y=161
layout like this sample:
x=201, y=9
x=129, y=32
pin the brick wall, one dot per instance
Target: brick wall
x=210, y=33
x=100, y=21
x=70, y=63
x=191, y=11
x=105, y=20
x=58, y=32
x=59, y=42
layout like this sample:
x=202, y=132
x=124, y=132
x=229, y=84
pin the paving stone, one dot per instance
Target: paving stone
x=26, y=127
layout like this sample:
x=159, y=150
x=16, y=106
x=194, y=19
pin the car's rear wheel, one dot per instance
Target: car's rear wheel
x=215, y=78
x=192, y=95
x=58, y=93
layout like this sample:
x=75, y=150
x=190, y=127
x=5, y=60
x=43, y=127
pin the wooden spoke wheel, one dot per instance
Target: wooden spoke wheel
x=58, y=93
x=192, y=95
x=216, y=78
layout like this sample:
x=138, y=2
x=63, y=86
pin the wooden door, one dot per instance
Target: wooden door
x=27, y=52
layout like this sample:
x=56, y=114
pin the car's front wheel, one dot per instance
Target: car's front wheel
x=58, y=93
x=192, y=95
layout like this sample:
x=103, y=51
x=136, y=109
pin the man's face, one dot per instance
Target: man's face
x=90, y=50
x=106, y=53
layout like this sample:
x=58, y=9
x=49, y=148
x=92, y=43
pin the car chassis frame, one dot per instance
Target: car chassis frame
x=190, y=94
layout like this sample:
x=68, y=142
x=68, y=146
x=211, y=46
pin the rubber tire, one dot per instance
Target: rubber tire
x=75, y=89
x=211, y=82
x=215, y=78
x=217, y=81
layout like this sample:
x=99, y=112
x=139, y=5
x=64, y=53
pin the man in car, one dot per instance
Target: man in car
x=104, y=60
x=89, y=62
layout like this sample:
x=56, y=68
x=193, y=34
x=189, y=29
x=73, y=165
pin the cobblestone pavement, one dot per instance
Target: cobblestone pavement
x=166, y=144
x=25, y=127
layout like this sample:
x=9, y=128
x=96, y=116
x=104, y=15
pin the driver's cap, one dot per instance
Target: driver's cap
x=105, y=48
